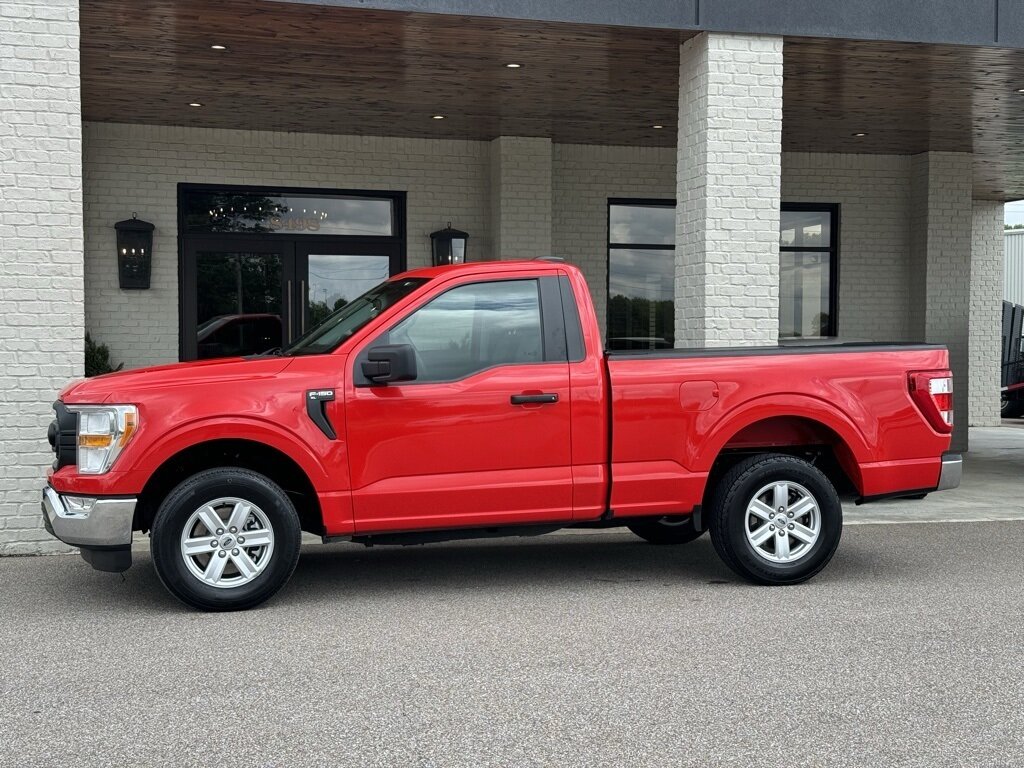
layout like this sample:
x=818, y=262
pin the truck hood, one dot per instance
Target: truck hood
x=123, y=386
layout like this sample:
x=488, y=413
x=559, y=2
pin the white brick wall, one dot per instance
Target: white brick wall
x=942, y=222
x=875, y=277
x=728, y=189
x=521, y=197
x=41, y=333
x=986, y=313
x=584, y=177
x=138, y=167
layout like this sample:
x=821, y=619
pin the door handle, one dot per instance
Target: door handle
x=288, y=314
x=547, y=397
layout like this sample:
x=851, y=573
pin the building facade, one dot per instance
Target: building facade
x=724, y=175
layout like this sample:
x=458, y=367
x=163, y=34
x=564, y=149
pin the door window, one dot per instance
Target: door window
x=472, y=328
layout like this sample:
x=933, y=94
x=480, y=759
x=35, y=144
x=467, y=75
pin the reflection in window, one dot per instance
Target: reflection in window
x=336, y=279
x=640, y=223
x=641, y=275
x=808, y=246
x=474, y=327
x=803, y=294
x=244, y=211
x=238, y=303
x=805, y=228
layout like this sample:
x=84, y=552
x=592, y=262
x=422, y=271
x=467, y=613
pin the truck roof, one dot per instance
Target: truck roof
x=490, y=267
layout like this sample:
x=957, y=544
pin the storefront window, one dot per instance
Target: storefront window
x=808, y=245
x=641, y=272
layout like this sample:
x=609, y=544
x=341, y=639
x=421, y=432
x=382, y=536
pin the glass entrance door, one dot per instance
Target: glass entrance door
x=332, y=274
x=260, y=266
x=236, y=298
x=245, y=295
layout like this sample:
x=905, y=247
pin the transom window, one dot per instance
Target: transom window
x=641, y=272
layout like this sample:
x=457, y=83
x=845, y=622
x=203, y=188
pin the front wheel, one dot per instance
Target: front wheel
x=225, y=539
x=775, y=519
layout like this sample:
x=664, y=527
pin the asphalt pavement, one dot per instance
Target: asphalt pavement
x=589, y=649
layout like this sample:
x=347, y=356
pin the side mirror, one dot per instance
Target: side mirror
x=390, y=362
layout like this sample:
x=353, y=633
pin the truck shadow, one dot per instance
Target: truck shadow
x=567, y=561
x=581, y=563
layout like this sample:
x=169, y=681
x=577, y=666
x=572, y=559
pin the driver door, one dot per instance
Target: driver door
x=470, y=441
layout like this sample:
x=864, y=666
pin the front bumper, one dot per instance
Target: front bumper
x=101, y=527
x=951, y=473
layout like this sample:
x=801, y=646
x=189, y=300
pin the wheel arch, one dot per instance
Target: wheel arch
x=246, y=453
x=827, y=440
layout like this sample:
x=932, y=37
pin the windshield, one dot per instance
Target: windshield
x=346, y=320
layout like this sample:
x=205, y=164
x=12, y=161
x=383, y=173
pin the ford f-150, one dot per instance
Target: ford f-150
x=478, y=400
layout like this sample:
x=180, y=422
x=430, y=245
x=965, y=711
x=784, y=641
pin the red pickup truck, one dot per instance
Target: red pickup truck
x=477, y=400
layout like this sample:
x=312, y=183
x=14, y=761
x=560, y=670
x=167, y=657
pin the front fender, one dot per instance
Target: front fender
x=236, y=428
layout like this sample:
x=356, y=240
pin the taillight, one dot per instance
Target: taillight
x=933, y=393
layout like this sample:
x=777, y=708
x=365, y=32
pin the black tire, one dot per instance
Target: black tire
x=201, y=489
x=1011, y=408
x=666, y=530
x=728, y=518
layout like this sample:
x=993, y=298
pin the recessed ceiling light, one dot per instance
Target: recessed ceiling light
x=859, y=135
x=657, y=126
x=513, y=65
x=1020, y=90
x=194, y=104
x=438, y=117
x=219, y=47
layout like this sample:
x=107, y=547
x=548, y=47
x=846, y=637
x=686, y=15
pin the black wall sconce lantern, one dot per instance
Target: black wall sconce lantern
x=448, y=246
x=134, y=252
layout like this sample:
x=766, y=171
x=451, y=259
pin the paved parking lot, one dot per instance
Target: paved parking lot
x=580, y=648
x=572, y=649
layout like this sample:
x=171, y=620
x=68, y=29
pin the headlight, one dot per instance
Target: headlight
x=103, y=432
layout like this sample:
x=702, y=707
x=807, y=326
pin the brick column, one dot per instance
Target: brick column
x=521, y=197
x=986, y=314
x=728, y=180
x=941, y=226
x=41, y=327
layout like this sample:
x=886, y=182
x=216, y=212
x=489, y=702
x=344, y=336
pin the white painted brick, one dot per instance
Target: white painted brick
x=40, y=250
x=138, y=167
x=985, y=343
x=584, y=178
x=942, y=221
x=728, y=186
x=873, y=193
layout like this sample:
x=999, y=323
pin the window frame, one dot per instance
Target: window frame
x=659, y=202
x=554, y=344
x=832, y=209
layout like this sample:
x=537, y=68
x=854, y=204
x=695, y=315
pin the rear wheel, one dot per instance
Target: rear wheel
x=1011, y=408
x=670, y=529
x=775, y=519
x=225, y=539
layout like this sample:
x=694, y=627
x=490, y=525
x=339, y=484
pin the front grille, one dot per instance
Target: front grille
x=63, y=436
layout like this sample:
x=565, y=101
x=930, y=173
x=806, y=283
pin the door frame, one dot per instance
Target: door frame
x=295, y=244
